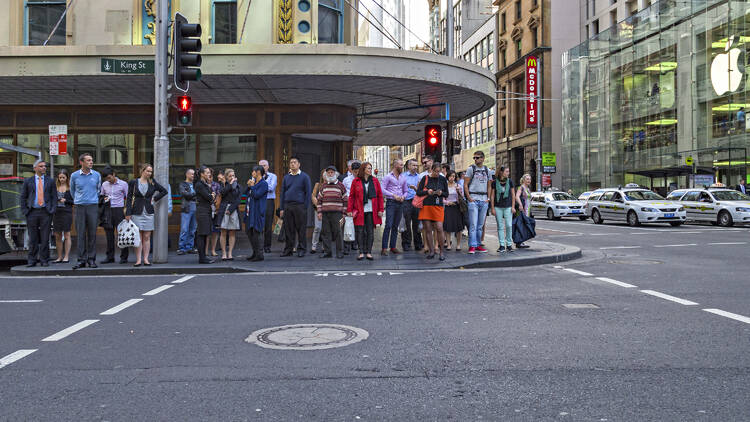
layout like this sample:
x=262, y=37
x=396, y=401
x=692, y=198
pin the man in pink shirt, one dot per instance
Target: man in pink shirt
x=394, y=190
x=114, y=191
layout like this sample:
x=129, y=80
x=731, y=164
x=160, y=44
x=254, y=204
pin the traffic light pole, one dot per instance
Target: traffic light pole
x=161, y=142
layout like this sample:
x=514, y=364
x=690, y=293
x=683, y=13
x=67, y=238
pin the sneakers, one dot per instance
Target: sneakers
x=481, y=249
x=472, y=250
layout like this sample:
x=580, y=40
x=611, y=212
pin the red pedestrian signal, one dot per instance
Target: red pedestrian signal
x=433, y=142
x=184, y=110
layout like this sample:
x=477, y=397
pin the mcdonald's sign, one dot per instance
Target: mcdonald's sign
x=532, y=91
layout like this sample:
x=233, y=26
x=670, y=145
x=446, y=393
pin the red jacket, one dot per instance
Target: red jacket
x=356, y=202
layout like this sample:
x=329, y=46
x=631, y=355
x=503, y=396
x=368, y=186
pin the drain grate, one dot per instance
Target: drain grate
x=307, y=336
x=581, y=306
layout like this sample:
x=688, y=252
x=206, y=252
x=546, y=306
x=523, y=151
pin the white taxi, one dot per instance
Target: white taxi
x=556, y=204
x=634, y=205
x=721, y=206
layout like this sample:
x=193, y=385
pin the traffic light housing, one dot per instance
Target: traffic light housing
x=184, y=110
x=433, y=142
x=186, y=46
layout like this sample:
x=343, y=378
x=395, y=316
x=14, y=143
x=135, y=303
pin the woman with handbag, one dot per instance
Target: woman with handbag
x=366, y=206
x=523, y=193
x=204, y=201
x=434, y=189
x=454, y=219
x=229, y=214
x=216, y=188
x=142, y=194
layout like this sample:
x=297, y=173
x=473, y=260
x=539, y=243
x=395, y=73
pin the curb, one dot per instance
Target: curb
x=565, y=253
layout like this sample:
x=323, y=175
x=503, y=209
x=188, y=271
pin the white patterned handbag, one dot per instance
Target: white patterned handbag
x=128, y=235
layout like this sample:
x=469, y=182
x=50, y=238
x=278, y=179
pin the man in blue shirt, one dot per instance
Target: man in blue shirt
x=85, y=184
x=272, y=181
x=295, y=198
x=411, y=214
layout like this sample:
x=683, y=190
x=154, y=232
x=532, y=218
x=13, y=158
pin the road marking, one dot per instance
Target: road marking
x=183, y=279
x=120, y=307
x=17, y=355
x=70, y=330
x=615, y=282
x=583, y=273
x=158, y=290
x=676, y=246
x=730, y=315
x=22, y=301
x=728, y=243
x=564, y=235
x=620, y=247
x=602, y=234
x=560, y=231
x=668, y=297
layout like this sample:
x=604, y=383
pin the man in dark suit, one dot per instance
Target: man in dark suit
x=38, y=204
x=742, y=187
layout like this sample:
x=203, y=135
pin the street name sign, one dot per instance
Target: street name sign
x=127, y=66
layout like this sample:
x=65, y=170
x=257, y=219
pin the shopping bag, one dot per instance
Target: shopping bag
x=128, y=235
x=281, y=236
x=349, y=229
x=277, y=227
x=402, y=225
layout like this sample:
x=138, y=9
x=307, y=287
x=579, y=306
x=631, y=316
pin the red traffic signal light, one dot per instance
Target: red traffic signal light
x=184, y=110
x=184, y=103
x=433, y=145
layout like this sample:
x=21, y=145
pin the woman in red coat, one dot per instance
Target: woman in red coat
x=366, y=206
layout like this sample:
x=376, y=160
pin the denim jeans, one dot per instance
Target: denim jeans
x=316, y=233
x=188, y=226
x=393, y=213
x=477, y=214
x=504, y=219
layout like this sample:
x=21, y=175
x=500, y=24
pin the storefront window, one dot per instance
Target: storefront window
x=117, y=151
x=222, y=151
x=25, y=162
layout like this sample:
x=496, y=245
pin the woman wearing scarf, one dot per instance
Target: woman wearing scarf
x=366, y=206
x=434, y=187
x=502, y=206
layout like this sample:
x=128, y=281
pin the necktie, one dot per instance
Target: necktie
x=39, y=192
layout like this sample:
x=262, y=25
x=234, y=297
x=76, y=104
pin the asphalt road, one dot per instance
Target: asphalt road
x=444, y=345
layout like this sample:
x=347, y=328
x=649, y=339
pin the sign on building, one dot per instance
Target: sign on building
x=549, y=162
x=58, y=139
x=126, y=66
x=532, y=90
x=546, y=180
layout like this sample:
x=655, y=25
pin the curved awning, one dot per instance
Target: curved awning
x=388, y=88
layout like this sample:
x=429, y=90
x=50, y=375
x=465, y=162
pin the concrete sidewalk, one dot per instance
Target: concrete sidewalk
x=540, y=253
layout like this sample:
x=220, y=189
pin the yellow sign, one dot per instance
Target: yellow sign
x=689, y=160
x=531, y=62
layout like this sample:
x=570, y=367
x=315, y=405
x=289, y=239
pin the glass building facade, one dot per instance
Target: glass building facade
x=660, y=99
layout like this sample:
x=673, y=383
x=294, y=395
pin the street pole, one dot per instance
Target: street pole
x=161, y=143
x=449, y=29
x=539, y=126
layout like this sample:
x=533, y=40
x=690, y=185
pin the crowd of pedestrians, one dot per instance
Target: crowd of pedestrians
x=429, y=210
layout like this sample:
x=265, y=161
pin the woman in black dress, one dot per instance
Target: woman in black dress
x=63, y=218
x=204, y=199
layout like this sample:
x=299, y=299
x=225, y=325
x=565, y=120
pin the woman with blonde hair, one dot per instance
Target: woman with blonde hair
x=523, y=193
x=142, y=194
x=228, y=214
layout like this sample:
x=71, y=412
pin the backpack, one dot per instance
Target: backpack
x=473, y=173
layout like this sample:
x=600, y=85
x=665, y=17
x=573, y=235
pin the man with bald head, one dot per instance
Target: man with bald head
x=38, y=204
x=272, y=181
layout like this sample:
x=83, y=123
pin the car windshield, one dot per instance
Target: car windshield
x=562, y=196
x=642, y=195
x=730, y=195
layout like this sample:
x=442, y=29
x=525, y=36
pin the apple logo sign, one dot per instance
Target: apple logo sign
x=725, y=72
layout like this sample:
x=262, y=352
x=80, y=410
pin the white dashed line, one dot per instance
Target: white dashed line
x=70, y=330
x=676, y=246
x=158, y=290
x=17, y=355
x=730, y=315
x=583, y=273
x=602, y=234
x=728, y=243
x=120, y=307
x=620, y=247
x=615, y=282
x=668, y=297
x=183, y=279
x=22, y=301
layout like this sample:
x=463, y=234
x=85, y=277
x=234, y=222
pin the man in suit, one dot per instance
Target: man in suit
x=742, y=187
x=38, y=204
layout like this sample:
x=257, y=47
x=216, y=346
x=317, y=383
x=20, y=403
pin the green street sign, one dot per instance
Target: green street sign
x=549, y=162
x=127, y=66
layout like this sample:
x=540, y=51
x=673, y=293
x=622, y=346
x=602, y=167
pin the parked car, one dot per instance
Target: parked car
x=634, y=205
x=721, y=206
x=556, y=204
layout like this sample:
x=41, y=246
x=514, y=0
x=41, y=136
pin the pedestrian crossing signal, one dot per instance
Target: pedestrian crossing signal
x=433, y=142
x=184, y=110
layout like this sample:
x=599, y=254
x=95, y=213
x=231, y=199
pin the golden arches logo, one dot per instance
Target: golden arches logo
x=531, y=62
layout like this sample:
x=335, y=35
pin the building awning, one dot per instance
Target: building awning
x=388, y=88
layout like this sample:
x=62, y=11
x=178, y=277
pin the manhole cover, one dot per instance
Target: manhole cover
x=307, y=336
x=580, y=306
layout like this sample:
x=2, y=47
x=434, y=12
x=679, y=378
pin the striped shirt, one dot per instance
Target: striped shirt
x=331, y=197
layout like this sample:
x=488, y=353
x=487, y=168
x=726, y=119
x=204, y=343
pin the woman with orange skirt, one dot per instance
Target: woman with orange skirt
x=434, y=187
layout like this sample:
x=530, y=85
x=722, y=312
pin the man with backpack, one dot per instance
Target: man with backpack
x=476, y=182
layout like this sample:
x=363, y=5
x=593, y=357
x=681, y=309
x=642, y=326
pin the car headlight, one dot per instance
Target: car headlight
x=647, y=209
x=681, y=209
x=561, y=207
x=741, y=209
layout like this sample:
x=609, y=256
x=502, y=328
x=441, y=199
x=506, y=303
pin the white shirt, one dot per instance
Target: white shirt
x=348, y=183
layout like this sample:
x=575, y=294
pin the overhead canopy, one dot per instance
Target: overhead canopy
x=386, y=87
